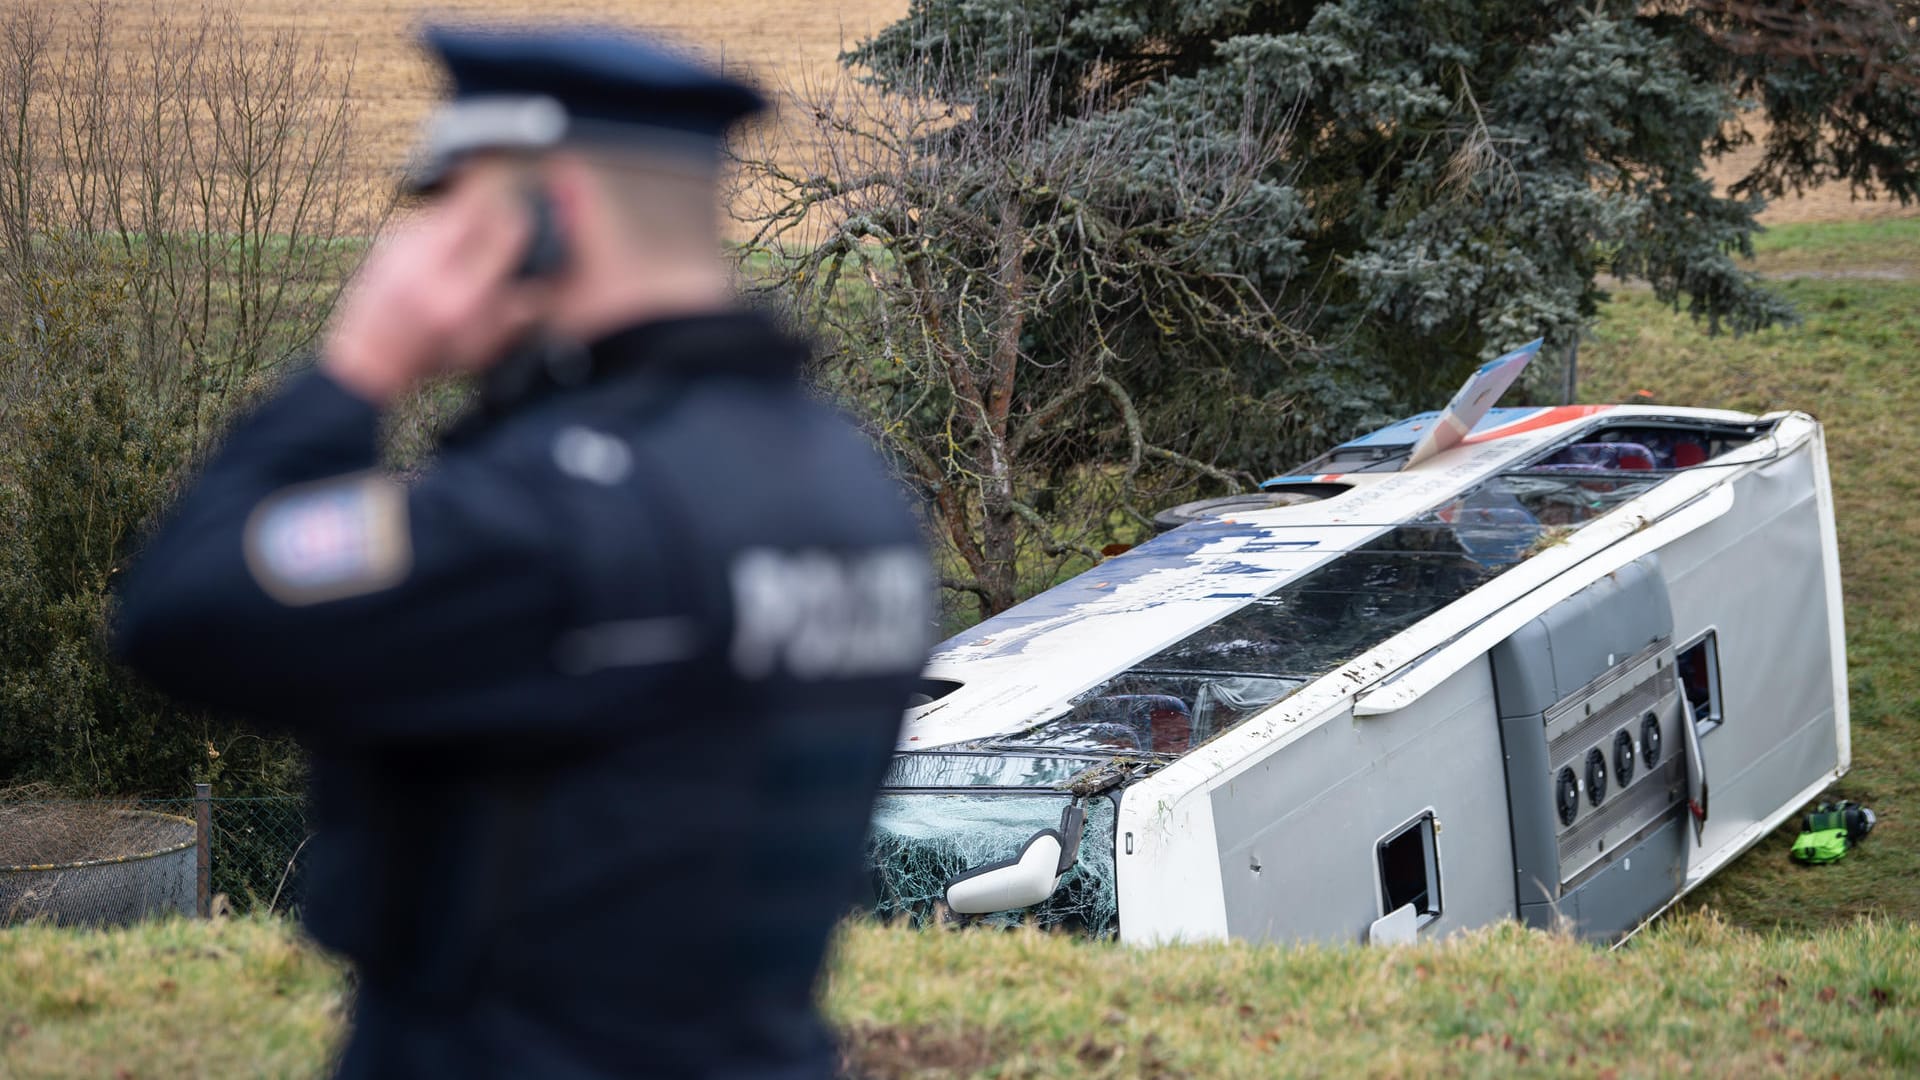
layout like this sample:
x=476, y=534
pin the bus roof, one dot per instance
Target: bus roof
x=1213, y=600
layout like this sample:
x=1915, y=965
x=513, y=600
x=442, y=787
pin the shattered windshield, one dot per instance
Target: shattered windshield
x=921, y=841
x=938, y=769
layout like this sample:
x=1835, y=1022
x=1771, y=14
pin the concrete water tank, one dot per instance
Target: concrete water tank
x=83, y=863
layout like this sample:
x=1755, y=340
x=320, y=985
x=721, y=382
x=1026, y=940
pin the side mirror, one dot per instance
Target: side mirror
x=1022, y=881
x=1027, y=878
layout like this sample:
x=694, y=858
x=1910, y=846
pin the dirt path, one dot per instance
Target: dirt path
x=1857, y=273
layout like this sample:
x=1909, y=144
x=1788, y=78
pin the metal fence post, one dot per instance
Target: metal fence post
x=203, y=847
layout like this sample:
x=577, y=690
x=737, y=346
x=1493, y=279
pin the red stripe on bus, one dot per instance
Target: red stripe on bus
x=1545, y=418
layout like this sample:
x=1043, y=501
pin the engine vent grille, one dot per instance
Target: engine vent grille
x=1621, y=816
x=1582, y=736
x=1569, y=745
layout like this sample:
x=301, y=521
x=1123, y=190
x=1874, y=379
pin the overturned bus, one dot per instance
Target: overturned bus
x=1552, y=664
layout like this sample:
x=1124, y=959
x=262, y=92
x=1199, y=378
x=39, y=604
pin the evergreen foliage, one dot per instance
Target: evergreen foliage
x=80, y=466
x=1464, y=172
x=1838, y=83
x=88, y=454
x=176, y=215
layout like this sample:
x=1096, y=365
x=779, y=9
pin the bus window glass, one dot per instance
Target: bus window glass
x=1155, y=712
x=1647, y=446
x=1699, y=671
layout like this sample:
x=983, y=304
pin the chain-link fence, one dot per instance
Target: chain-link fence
x=111, y=861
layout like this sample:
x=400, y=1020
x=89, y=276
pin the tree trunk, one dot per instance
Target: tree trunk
x=999, y=576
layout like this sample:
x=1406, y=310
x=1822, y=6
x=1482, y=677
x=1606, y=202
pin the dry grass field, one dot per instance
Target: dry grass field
x=777, y=41
x=1829, y=202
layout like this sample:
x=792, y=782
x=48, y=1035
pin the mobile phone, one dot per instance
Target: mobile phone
x=546, y=253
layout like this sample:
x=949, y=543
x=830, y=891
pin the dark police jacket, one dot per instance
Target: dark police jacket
x=597, y=706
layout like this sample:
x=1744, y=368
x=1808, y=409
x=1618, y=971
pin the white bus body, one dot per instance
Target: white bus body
x=1563, y=671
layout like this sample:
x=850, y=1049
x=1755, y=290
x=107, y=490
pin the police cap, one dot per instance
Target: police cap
x=531, y=90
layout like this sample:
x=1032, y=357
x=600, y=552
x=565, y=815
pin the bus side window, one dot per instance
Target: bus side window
x=1410, y=869
x=1699, y=671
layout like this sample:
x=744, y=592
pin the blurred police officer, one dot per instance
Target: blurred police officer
x=598, y=705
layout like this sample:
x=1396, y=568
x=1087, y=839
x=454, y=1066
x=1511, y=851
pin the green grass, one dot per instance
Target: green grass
x=1842, y=245
x=1695, y=995
x=168, y=999
x=1854, y=362
x=247, y=998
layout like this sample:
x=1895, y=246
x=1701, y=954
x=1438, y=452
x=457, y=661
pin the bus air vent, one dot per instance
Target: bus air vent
x=1567, y=795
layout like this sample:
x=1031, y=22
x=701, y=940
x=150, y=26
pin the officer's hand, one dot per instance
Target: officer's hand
x=438, y=296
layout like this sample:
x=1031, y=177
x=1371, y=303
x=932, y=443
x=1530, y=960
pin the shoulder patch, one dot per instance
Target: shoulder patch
x=330, y=540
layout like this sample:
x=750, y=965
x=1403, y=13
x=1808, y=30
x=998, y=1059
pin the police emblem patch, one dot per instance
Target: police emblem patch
x=330, y=540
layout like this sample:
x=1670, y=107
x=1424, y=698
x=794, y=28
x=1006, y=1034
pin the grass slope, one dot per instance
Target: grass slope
x=1854, y=362
x=168, y=999
x=247, y=998
x=1695, y=995
x=1843, y=246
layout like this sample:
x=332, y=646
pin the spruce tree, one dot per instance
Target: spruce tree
x=1468, y=174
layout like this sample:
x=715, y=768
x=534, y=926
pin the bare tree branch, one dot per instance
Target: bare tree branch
x=981, y=279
